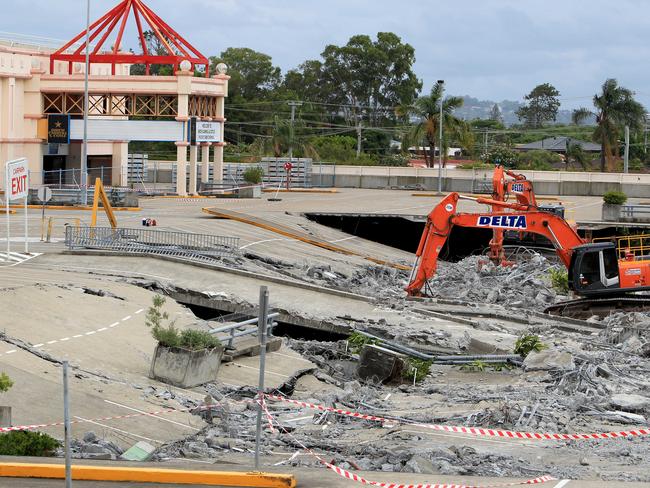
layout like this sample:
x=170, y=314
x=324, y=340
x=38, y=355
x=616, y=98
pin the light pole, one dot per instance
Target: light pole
x=84, y=146
x=441, y=83
x=293, y=106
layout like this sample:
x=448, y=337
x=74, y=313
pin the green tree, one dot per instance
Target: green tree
x=157, y=48
x=575, y=154
x=542, y=106
x=362, y=80
x=537, y=159
x=615, y=108
x=426, y=130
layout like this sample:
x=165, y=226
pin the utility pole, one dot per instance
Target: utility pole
x=359, y=126
x=485, y=142
x=626, y=154
x=442, y=90
x=293, y=106
x=84, y=146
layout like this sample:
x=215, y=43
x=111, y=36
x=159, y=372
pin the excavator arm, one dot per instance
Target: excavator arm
x=522, y=217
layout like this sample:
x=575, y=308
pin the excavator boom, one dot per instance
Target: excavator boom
x=522, y=217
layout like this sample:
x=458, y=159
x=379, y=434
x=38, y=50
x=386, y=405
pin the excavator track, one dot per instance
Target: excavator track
x=602, y=307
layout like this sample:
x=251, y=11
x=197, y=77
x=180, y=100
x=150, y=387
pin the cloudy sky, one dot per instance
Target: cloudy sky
x=489, y=49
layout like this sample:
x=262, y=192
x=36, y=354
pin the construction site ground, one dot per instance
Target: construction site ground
x=90, y=309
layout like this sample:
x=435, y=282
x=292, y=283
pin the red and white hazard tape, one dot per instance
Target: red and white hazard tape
x=360, y=479
x=472, y=430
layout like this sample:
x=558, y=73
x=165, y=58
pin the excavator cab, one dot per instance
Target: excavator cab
x=594, y=269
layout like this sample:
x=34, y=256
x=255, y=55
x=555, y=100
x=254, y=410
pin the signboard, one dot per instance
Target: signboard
x=129, y=130
x=202, y=131
x=17, y=186
x=44, y=194
x=58, y=129
x=17, y=179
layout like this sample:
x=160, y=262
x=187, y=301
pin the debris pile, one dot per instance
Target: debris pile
x=525, y=284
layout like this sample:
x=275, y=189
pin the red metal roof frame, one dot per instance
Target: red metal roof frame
x=178, y=49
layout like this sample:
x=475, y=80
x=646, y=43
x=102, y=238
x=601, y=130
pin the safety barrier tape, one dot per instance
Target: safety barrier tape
x=471, y=430
x=360, y=479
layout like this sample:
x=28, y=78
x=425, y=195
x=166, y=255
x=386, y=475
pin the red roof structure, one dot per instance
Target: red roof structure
x=178, y=49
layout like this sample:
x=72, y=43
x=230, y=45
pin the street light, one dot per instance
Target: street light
x=84, y=146
x=441, y=83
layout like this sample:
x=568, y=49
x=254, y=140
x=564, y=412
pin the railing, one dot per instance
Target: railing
x=196, y=247
x=635, y=211
x=240, y=329
x=638, y=245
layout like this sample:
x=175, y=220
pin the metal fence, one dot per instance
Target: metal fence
x=197, y=247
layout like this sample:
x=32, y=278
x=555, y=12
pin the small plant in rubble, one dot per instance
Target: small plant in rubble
x=476, y=365
x=416, y=369
x=559, y=280
x=356, y=342
x=528, y=343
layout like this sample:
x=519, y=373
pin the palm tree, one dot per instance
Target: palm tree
x=427, y=109
x=282, y=135
x=615, y=108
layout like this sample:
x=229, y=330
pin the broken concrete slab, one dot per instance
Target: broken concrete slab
x=380, y=365
x=630, y=402
x=549, y=359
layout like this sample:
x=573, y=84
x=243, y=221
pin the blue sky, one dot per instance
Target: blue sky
x=489, y=49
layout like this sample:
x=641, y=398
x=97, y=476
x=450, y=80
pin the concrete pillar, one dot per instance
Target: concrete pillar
x=193, y=154
x=181, y=168
x=217, y=166
x=205, y=162
x=120, y=166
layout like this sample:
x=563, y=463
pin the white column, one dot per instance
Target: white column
x=193, y=154
x=205, y=162
x=181, y=168
x=119, y=173
x=217, y=167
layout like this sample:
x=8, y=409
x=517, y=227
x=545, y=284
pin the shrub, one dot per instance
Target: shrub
x=357, y=340
x=27, y=443
x=417, y=369
x=614, y=197
x=559, y=279
x=197, y=339
x=254, y=175
x=527, y=343
x=169, y=336
x=538, y=159
x=502, y=155
x=5, y=382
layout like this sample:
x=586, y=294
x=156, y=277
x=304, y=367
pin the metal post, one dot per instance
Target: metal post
x=66, y=422
x=60, y=177
x=84, y=147
x=26, y=223
x=261, y=332
x=293, y=106
x=626, y=154
x=7, y=208
x=442, y=89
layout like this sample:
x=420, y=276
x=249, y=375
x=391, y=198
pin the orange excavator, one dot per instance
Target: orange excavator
x=593, y=269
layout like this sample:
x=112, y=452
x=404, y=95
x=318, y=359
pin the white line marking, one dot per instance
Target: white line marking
x=114, y=324
x=11, y=352
x=90, y=333
x=102, y=329
x=52, y=342
x=139, y=311
x=126, y=318
x=262, y=241
x=38, y=345
x=65, y=339
x=155, y=416
x=77, y=336
x=119, y=430
x=341, y=240
x=562, y=483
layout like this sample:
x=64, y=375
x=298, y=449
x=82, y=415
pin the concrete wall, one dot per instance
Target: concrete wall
x=545, y=182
